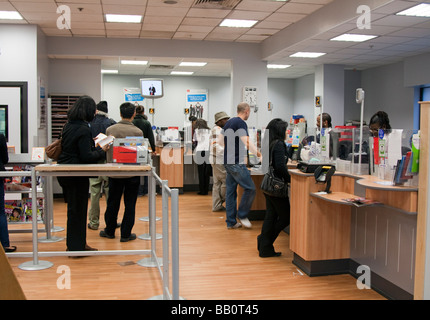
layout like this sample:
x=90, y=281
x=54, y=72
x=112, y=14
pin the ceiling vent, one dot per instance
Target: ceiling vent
x=161, y=66
x=216, y=3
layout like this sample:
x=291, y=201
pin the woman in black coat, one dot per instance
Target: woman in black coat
x=277, y=215
x=4, y=233
x=78, y=148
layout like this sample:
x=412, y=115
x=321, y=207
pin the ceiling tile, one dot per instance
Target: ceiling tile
x=124, y=9
x=248, y=15
x=183, y=35
x=302, y=8
x=156, y=27
x=285, y=17
x=272, y=25
x=156, y=34
x=199, y=29
x=264, y=6
x=166, y=11
x=201, y=21
x=207, y=13
x=49, y=7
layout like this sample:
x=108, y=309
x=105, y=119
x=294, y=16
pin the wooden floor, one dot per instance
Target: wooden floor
x=215, y=263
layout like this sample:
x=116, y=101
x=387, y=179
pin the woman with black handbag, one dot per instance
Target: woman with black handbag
x=277, y=215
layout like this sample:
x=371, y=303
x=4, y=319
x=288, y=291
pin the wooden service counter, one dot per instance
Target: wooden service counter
x=171, y=165
x=329, y=235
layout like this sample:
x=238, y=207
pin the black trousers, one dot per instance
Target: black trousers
x=277, y=218
x=117, y=187
x=204, y=171
x=75, y=190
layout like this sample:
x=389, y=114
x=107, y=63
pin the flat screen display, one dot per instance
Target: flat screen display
x=4, y=121
x=152, y=88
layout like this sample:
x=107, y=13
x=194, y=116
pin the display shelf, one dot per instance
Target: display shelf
x=60, y=104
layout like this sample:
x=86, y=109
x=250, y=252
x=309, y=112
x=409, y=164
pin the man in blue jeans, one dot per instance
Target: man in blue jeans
x=236, y=145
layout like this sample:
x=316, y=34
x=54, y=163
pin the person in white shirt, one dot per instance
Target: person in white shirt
x=217, y=162
x=202, y=136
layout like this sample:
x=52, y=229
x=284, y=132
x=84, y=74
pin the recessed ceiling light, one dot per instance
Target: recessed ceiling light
x=137, y=62
x=193, y=64
x=127, y=18
x=10, y=15
x=353, y=37
x=237, y=23
x=421, y=10
x=278, y=66
x=184, y=73
x=307, y=54
x=109, y=71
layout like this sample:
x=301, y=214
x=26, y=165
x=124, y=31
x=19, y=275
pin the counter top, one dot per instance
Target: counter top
x=372, y=182
x=106, y=167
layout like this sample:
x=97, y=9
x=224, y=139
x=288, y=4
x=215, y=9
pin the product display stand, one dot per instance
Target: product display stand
x=36, y=264
x=49, y=214
x=152, y=261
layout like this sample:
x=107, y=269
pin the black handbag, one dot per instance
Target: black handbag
x=272, y=185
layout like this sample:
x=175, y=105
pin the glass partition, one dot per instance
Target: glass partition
x=391, y=155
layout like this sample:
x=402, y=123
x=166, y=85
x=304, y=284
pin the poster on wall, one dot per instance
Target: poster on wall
x=132, y=95
x=197, y=103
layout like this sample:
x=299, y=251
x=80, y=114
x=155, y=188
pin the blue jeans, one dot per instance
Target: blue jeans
x=238, y=174
x=4, y=233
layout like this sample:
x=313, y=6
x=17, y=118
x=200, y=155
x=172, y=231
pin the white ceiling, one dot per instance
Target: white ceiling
x=288, y=27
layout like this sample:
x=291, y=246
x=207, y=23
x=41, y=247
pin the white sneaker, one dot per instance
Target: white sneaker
x=237, y=225
x=245, y=222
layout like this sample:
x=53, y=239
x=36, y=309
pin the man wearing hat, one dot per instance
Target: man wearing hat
x=217, y=162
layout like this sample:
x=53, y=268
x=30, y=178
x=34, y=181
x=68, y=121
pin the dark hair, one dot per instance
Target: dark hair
x=102, y=106
x=381, y=118
x=201, y=124
x=326, y=117
x=126, y=110
x=140, y=109
x=83, y=109
x=277, y=130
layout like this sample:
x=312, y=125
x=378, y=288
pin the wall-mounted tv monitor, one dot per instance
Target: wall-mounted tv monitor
x=152, y=88
x=4, y=121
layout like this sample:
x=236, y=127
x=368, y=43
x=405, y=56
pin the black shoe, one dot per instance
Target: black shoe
x=272, y=254
x=131, y=237
x=105, y=235
x=10, y=249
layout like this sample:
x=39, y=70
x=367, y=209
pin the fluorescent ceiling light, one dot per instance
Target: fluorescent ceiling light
x=193, y=64
x=109, y=71
x=10, y=15
x=184, y=73
x=137, y=62
x=307, y=54
x=127, y=18
x=278, y=66
x=421, y=10
x=353, y=37
x=236, y=23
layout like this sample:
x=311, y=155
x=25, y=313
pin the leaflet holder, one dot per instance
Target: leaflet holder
x=323, y=175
